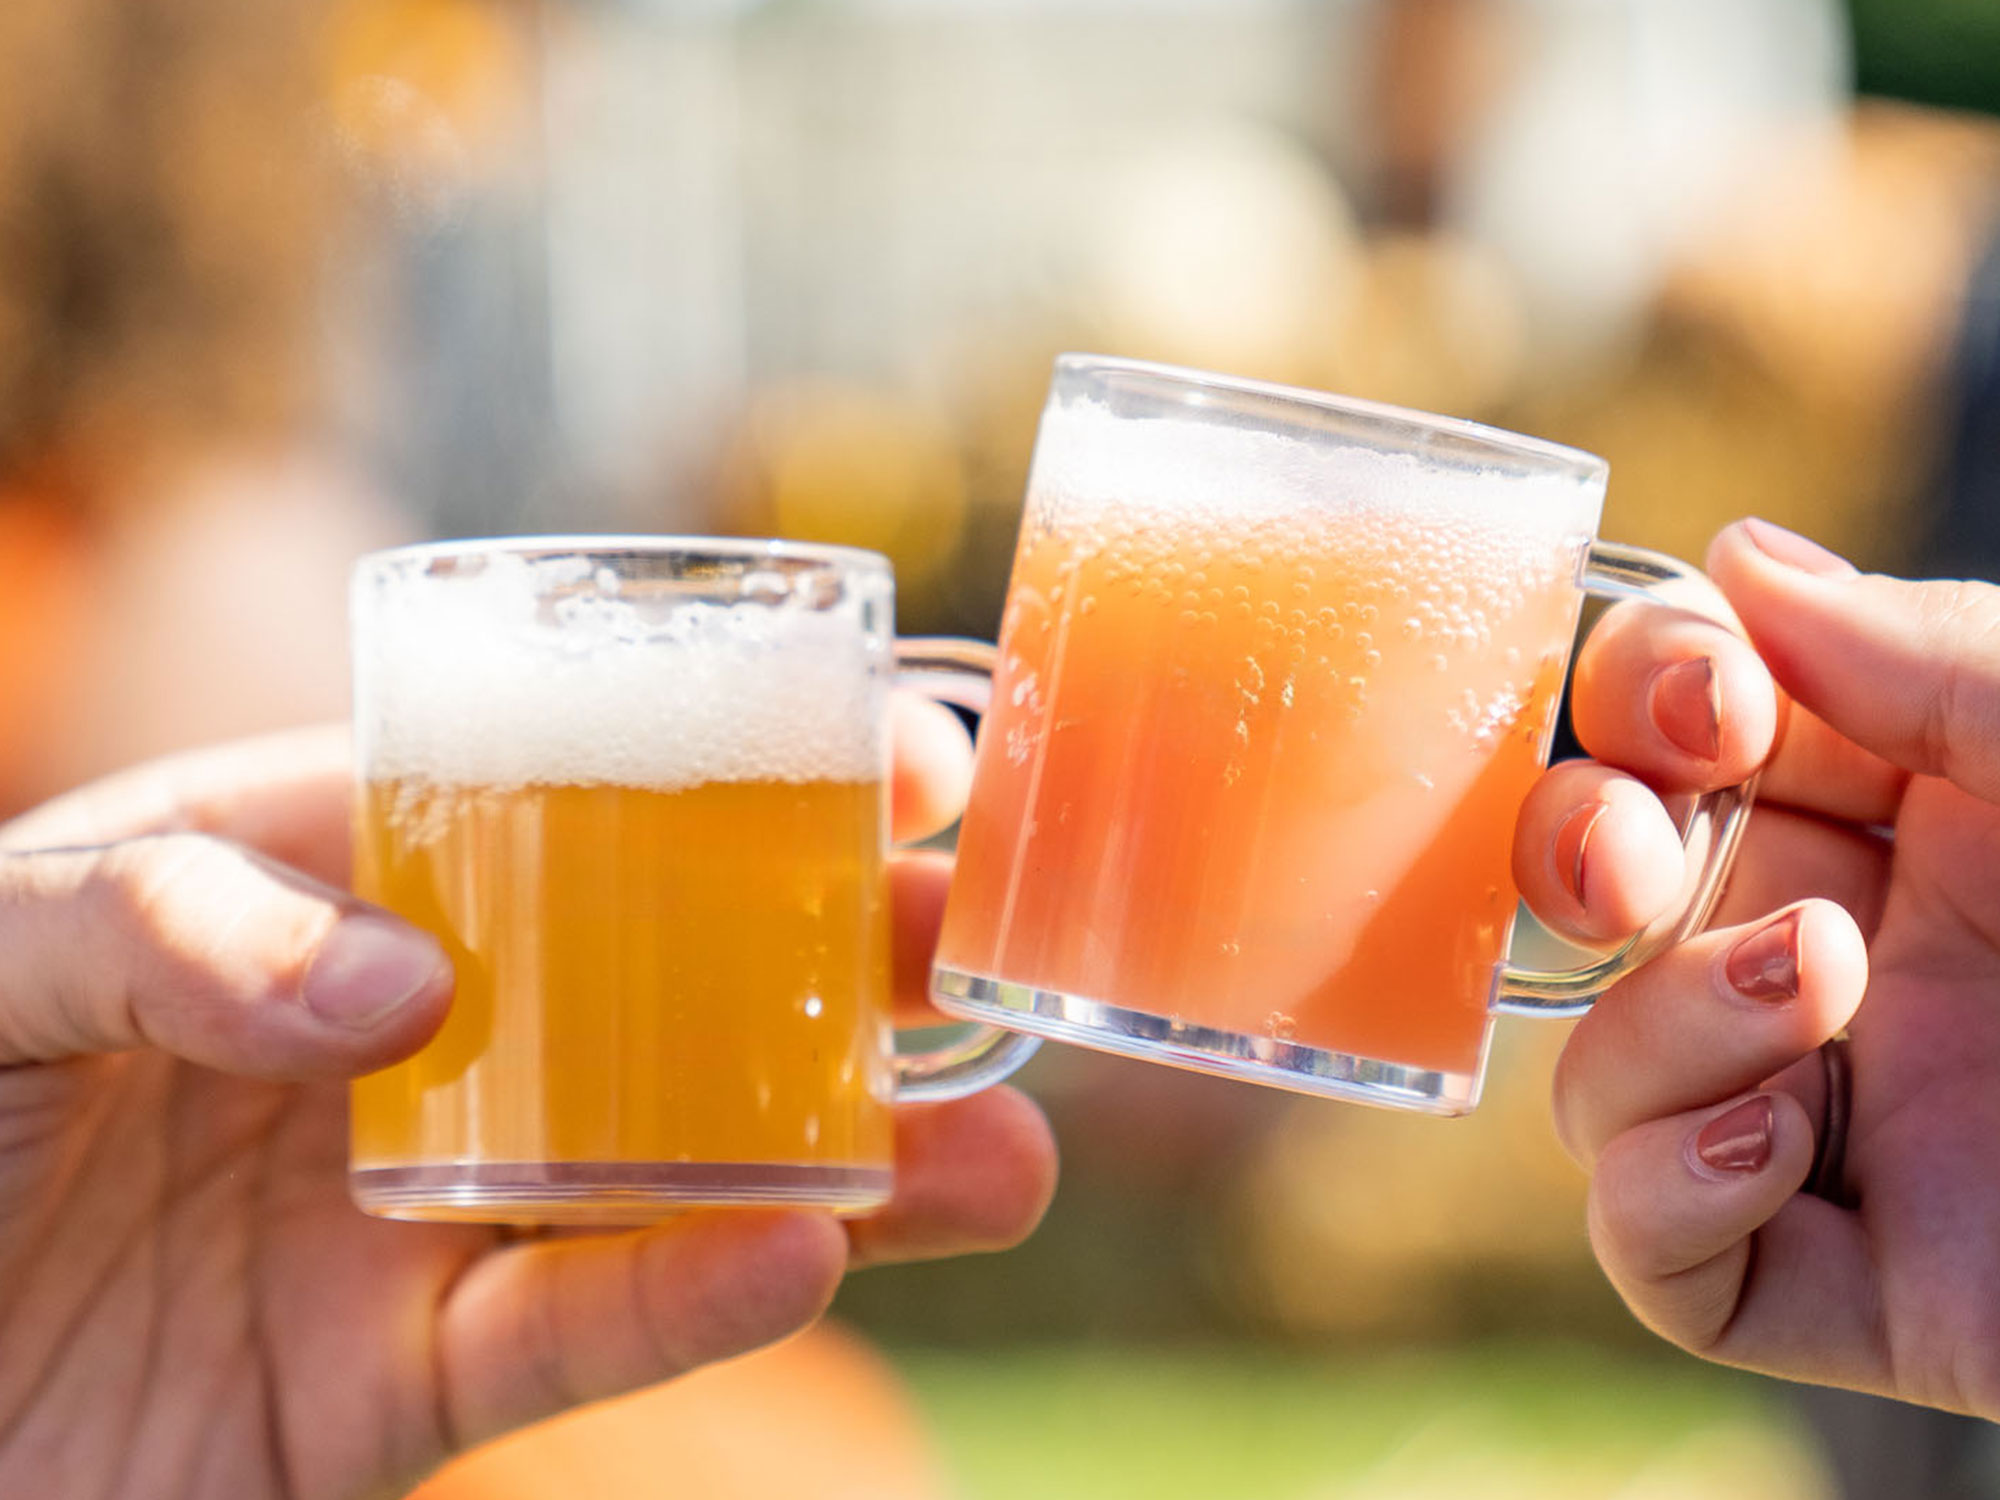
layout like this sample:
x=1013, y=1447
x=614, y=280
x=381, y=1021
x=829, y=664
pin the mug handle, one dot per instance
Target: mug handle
x=960, y=673
x=1710, y=838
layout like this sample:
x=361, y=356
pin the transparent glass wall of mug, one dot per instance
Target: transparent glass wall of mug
x=638, y=791
x=1277, y=671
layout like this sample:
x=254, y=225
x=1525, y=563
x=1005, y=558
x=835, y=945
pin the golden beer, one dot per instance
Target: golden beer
x=635, y=787
x=660, y=992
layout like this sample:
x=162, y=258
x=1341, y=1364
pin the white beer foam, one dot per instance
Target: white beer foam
x=477, y=681
x=1087, y=458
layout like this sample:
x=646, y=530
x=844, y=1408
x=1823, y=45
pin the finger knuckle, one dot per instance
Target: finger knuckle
x=1959, y=630
x=1567, y=1111
x=1628, y=1230
x=139, y=884
x=184, y=899
x=1614, y=1235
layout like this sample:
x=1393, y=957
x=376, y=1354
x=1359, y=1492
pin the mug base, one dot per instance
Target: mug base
x=1252, y=1058
x=607, y=1194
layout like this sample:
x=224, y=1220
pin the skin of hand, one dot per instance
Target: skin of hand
x=190, y=1305
x=1866, y=897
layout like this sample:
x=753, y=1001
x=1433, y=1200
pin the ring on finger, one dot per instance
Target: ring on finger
x=1828, y=1177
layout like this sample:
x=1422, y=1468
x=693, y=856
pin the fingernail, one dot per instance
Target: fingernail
x=1739, y=1139
x=1572, y=847
x=367, y=968
x=1686, y=704
x=1794, y=551
x=1765, y=965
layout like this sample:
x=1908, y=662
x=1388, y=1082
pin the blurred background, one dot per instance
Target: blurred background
x=279, y=283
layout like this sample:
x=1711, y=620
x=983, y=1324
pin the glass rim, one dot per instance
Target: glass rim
x=631, y=544
x=1579, y=461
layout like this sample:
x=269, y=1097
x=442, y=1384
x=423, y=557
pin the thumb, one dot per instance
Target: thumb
x=1908, y=670
x=199, y=947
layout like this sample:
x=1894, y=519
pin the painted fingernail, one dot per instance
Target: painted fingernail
x=1765, y=965
x=1794, y=551
x=1739, y=1139
x=367, y=968
x=1572, y=847
x=1686, y=704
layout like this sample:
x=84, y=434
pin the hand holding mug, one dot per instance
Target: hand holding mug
x=1825, y=1211
x=189, y=1300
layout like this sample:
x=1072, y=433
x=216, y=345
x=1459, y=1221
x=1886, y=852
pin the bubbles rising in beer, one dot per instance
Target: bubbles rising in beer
x=1267, y=640
x=1291, y=616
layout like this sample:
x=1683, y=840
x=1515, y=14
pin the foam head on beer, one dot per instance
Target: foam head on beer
x=1095, y=464
x=511, y=674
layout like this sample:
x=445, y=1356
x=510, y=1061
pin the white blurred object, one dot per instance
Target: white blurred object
x=738, y=194
x=1226, y=245
x=1439, y=325
x=647, y=323
x=1623, y=130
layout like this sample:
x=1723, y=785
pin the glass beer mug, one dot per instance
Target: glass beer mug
x=1277, y=671
x=638, y=789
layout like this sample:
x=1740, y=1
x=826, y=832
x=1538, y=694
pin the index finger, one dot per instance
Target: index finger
x=287, y=795
x=1687, y=705
x=1673, y=697
x=933, y=767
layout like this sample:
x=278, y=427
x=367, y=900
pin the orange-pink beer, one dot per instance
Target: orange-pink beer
x=1265, y=715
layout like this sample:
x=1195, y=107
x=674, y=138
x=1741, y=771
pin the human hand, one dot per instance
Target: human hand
x=1694, y=1090
x=189, y=1304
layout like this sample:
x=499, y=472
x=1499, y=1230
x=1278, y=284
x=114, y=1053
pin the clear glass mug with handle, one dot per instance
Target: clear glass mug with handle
x=1277, y=670
x=638, y=789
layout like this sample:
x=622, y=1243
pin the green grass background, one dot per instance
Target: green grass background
x=1495, y=1422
